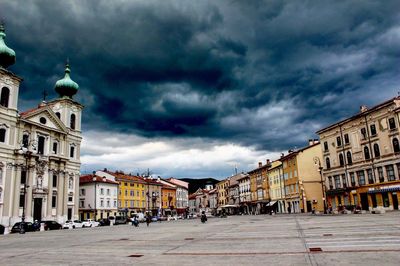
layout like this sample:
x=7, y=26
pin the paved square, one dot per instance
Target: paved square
x=366, y=239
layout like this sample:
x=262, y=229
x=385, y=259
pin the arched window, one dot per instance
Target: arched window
x=5, y=95
x=58, y=115
x=341, y=160
x=2, y=135
x=366, y=153
x=376, y=150
x=349, y=159
x=72, y=121
x=328, y=163
x=396, y=146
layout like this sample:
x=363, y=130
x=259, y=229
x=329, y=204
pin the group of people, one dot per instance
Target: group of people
x=135, y=220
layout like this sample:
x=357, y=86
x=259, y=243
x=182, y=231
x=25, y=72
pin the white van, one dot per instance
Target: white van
x=140, y=217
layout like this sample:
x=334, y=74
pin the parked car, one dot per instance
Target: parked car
x=120, y=220
x=172, y=218
x=90, y=223
x=104, y=222
x=140, y=217
x=28, y=226
x=72, y=224
x=51, y=225
x=2, y=228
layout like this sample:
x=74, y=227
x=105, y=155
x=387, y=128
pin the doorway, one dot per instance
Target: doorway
x=37, y=209
x=69, y=214
x=309, y=208
x=364, y=201
x=395, y=201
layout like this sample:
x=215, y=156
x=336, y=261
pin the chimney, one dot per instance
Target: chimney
x=363, y=108
x=290, y=151
x=310, y=142
x=282, y=154
x=259, y=164
x=105, y=170
x=268, y=162
x=94, y=173
x=316, y=141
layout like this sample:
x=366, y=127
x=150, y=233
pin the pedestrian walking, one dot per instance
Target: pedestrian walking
x=148, y=220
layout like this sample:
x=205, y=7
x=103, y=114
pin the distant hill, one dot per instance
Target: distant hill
x=194, y=184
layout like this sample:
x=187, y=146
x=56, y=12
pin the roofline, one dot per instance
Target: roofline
x=370, y=110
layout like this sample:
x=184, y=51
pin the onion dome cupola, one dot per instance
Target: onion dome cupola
x=66, y=87
x=7, y=55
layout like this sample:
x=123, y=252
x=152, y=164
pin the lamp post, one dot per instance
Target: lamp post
x=27, y=155
x=317, y=162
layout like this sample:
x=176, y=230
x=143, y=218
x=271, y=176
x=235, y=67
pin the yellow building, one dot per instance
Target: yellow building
x=259, y=188
x=310, y=179
x=168, y=196
x=222, y=190
x=291, y=182
x=276, y=187
x=131, y=194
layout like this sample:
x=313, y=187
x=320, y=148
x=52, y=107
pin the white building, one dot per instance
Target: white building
x=39, y=150
x=182, y=195
x=98, y=197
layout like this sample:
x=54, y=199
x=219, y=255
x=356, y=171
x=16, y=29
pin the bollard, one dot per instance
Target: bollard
x=41, y=227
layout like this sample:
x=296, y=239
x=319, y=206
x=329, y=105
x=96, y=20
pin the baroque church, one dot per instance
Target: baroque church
x=39, y=150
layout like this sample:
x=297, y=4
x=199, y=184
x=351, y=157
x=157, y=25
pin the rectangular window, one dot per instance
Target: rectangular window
x=108, y=203
x=132, y=203
x=392, y=123
x=54, y=181
x=346, y=139
x=72, y=151
x=101, y=191
x=326, y=146
x=373, y=129
x=25, y=141
x=126, y=192
x=23, y=177
x=82, y=204
x=41, y=140
x=70, y=199
x=380, y=174
x=344, y=181
x=54, y=201
x=363, y=133
x=390, y=172
x=339, y=141
x=108, y=191
x=126, y=184
x=115, y=203
x=361, y=178
x=21, y=200
x=101, y=203
x=137, y=193
x=370, y=176
x=83, y=192
x=55, y=146
x=330, y=182
x=337, y=181
x=132, y=193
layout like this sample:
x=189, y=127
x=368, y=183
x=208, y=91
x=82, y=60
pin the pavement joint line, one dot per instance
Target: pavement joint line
x=276, y=253
x=310, y=257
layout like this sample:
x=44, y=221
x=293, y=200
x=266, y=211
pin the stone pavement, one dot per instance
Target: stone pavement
x=365, y=239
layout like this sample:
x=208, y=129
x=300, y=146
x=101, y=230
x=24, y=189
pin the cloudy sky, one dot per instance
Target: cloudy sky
x=193, y=88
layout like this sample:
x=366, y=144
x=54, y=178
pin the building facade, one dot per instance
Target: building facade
x=276, y=187
x=361, y=159
x=182, y=195
x=98, y=197
x=39, y=150
x=259, y=188
x=244, y=194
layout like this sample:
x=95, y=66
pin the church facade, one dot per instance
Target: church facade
x=39, y=150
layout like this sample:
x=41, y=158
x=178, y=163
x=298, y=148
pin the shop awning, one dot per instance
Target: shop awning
x=271, y=203
x=389, y=189
x=229, y=206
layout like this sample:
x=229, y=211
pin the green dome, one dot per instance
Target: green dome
x=66, y=86
x=7, y=55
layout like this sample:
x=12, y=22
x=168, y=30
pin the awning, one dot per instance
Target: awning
x=229, y=206
x=390, y=189
x=271, y=203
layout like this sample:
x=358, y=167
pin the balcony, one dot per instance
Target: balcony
x=39, y=190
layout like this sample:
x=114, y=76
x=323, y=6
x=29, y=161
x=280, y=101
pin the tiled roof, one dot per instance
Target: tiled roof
x=90, y=179
x=31, y=110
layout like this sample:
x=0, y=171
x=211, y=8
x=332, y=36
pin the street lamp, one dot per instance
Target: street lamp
x=317, y=162
x=27, y=155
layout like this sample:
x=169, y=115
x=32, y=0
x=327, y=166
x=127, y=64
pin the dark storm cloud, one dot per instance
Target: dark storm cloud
x=263, y=73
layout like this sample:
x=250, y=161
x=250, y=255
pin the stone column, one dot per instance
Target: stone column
x=60, y=193
x=30, y=175
x=49, y=194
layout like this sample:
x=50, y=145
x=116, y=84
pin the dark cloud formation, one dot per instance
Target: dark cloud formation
x=262, y=73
